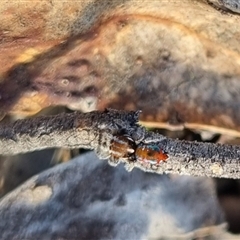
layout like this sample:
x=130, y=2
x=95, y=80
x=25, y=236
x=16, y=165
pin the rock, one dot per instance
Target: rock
x=177, y=61
x=88, y=199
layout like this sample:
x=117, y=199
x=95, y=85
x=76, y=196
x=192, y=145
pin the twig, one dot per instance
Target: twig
x=75, y=130
x=96, y=130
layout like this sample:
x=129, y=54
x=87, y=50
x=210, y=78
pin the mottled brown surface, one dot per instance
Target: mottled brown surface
x=177, y=61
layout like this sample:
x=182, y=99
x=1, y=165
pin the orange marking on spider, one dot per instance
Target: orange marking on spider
x=150, y=154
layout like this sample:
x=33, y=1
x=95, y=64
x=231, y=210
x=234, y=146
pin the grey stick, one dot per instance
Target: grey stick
x=95, y=130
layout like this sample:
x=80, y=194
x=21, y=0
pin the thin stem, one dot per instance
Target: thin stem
x=197, y=159
x=96, y=130
x=75, y=130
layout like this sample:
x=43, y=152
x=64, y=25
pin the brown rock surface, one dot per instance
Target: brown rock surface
x=177, y=61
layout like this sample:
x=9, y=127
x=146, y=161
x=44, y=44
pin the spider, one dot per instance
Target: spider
x=123, y=146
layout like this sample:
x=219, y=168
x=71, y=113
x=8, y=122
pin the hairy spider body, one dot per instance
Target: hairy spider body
x=123, y=146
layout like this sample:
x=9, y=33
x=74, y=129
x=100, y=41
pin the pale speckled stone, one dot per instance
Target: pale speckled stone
x=88, y=199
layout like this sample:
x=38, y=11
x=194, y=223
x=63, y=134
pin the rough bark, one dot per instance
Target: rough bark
x=96, y=130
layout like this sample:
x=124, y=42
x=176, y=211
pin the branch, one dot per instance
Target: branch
x=75, y=130
x=117, y=136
